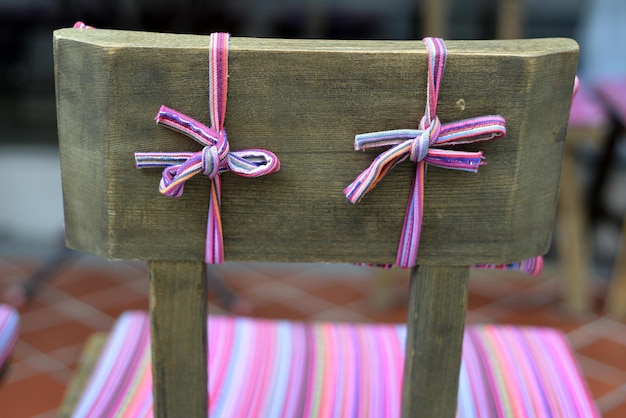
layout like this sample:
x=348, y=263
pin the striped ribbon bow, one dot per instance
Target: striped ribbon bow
x=215, y=158
x=420, y=146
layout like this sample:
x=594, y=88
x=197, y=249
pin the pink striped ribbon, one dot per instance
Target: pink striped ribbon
x=419, y=145
x=9, y=333
x=215, y=158
x=532, y=266
x=81, y=25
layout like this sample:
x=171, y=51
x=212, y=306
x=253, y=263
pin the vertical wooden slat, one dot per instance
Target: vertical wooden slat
x=436, y=322
x=178, y=313
x=572, y=242
x=435, y=18
x=616, y=295
x=510, y=19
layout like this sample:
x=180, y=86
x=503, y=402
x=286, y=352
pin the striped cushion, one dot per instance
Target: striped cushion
x=9, y=332
x=262, y=368
x=587, y=110
x=613, y=93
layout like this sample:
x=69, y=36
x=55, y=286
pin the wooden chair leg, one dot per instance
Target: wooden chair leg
x=178, y=315
x=572, y=240
x=435, y=21
x=431, y=370
x=616, y=296
x=510, y=19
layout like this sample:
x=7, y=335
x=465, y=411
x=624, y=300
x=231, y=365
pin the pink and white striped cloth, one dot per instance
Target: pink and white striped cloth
x=9, y=332
x=267, y=368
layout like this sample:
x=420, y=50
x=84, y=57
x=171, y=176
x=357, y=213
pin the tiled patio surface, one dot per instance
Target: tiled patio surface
x=89, y=293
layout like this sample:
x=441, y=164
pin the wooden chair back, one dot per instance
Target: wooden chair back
x=305, y=100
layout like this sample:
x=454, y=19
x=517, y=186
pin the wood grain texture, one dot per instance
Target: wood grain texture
x=178, y=313
x=434, y=341
x=305, y=101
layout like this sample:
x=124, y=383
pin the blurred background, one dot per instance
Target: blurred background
x=86, y=294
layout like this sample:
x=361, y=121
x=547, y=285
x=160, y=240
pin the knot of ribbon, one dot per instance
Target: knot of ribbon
x=212, y=160
x=421, y=146
x=215, y=157
x=422, y=142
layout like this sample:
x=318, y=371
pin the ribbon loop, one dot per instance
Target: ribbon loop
x=215, y=156
x=253, y=162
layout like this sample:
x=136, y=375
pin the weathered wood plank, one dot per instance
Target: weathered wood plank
x=178, y=313
x=305, y=100
x=434, y=341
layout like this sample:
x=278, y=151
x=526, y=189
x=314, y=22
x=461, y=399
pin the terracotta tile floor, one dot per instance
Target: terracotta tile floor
x=89, y=293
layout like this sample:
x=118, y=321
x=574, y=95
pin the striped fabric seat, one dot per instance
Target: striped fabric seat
x=612, y=91
x=263, y=368
x=9, y=332
x=587, y=110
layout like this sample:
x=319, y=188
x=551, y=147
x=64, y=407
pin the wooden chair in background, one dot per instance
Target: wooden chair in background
x=509, y=18
x=571, y=238
x=588, y=125
x=612, y=92
x=305, y=101
x=616, y=296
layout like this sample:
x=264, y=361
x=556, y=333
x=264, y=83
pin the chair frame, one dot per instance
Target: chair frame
x=305, y=100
